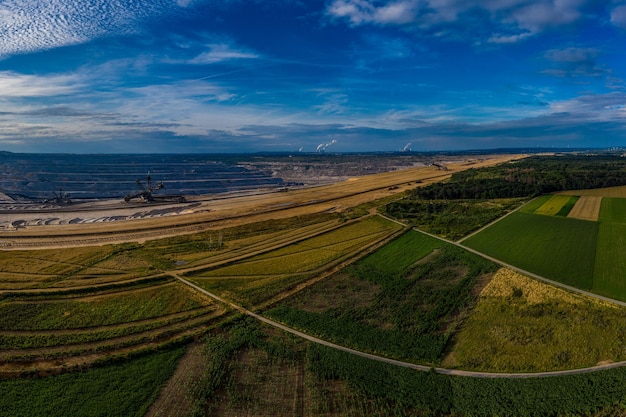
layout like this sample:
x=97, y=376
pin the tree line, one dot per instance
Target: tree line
x=530, y=177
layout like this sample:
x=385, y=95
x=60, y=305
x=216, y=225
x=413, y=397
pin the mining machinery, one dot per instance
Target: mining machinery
x=148, y=188
x=61, y=198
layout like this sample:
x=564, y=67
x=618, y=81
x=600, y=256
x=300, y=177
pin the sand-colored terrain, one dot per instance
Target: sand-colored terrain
x=616, y=192
x=110, y=222
x=586, y=208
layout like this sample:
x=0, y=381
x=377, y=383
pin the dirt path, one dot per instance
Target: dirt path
x=174, y=400
x=424, y=368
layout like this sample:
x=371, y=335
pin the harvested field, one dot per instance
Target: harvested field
x=616, y=192
x=586, y=208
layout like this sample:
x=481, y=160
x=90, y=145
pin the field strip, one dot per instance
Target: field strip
x=156, y=335
x=424, y=368
x=70, y=291
x=586, y=208
x=188, y=314
x=265, y=249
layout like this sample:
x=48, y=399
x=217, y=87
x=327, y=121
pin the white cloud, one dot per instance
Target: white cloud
x=497, y=38
x=396, y=13
x=221, y=52
x=511, y=20
x=603, y=107
x=14, y=85
x=357, y=11
x=34, y=25
x=618, y=16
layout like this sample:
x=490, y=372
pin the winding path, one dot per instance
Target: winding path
x=424, y=368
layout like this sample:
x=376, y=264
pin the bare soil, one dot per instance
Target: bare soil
x=586, y=208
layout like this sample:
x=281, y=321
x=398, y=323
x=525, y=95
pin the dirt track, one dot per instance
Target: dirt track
x=99, y=226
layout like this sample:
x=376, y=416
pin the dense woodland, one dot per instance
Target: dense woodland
x=530, y=177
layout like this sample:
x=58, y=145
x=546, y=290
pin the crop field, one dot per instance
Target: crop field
x=614, y=192
x=557, y=205
x=577, y=251
x=57, y=268
x=99, y=310
x=220, y=245
x=613, y=210
x=408, y=311
x=558, y=248
x=401, y=253
x=257, y=278
x=610, y=267
x=523, y=325
x=586, y=208
x=535, y=204
x=123, y=390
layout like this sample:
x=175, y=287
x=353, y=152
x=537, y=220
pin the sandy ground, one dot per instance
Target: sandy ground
x=114, y=221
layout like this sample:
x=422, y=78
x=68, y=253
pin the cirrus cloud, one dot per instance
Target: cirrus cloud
x=34, y=25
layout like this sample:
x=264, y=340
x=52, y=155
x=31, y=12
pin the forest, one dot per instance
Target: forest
x=530, y=177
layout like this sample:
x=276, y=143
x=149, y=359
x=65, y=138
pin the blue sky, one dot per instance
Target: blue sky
x=125, y=76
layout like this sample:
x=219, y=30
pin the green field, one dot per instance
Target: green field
x=535, y=204
x=124, y=390
x=584, y=254
x=408, y=310
x=100, y=310
x=557, y=248
x=613, y=210
x=401, y=253
x=610, y=268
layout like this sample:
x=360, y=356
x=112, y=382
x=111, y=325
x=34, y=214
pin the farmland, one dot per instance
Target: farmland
x=524, y=325
x=408, y=311
x=584, y=250
x=256, y=279
x=586, y=208
x=557, y=205
x=343, y=274
x=613, y=210
x=123, y=389
x=610, y=267
x=534, y=243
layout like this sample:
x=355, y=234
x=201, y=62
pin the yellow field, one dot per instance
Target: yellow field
x=523, y=325
x=586, y=208
x=553, y=205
